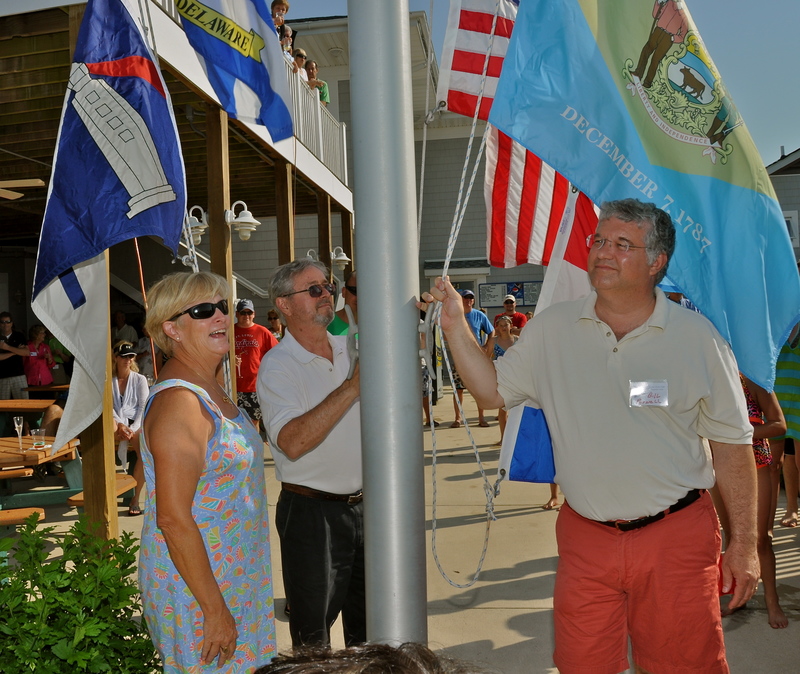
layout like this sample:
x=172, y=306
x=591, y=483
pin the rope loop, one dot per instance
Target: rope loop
x=458, y=218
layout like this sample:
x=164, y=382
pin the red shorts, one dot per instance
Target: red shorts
x=657, y=585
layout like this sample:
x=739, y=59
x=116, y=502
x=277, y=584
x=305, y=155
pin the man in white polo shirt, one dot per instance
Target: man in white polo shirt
x=631, y=384
x=312, y=416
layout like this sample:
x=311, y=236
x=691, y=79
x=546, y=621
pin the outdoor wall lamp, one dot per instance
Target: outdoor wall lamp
x=244, y=223
x=338, y=257
x=197, y=227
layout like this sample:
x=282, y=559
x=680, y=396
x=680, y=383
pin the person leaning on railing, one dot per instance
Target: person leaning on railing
x=314, y=83
x=299, y=65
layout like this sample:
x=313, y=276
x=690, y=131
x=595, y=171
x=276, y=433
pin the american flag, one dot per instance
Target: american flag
x=467, y=39
x=525, y=198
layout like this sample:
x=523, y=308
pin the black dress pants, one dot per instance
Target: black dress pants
x=322, y=552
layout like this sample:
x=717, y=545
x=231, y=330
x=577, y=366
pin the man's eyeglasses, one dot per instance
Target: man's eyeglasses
x=246, y=313
x=622, y=246
x=509, y=302
x=204, y=310
x=5, y=321
x=300, y=56
x=315, y=291
x=353, y=290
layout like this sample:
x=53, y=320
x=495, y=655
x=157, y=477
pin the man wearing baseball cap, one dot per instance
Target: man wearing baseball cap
x=518, y=320
x=252, y=343
x=482, y=329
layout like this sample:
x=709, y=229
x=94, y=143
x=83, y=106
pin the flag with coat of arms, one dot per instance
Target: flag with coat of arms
x=624, y=100
x=117, y=174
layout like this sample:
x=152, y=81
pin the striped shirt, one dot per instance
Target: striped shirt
x=787, y=388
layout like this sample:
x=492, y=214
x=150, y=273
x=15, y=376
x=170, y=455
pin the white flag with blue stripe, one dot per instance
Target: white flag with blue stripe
x=117, y=174
x=243, y=59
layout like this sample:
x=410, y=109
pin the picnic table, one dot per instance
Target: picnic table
x=32, y=409
x=21, y=406
x=54, y=388
x=12, y=457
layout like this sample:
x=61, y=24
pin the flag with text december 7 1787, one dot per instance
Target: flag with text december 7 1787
x=117, y=174
x=624, y=100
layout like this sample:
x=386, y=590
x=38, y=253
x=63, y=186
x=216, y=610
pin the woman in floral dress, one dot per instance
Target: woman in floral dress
x=204, y=567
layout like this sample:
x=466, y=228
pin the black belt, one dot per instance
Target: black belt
x=630, y=525
x=350, y=499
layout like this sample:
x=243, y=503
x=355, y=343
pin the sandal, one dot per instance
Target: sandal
x=134, y=511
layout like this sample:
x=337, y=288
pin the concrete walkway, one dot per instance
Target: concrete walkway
x=504, y=621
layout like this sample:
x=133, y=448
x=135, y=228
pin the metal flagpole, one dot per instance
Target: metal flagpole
x=388, y=280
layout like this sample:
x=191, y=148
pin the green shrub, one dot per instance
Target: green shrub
x=75, y=613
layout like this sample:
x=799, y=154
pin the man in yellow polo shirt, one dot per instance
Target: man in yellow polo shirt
x=632, y=385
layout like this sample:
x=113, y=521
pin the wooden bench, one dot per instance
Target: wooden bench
x=17, y=516
x=14, y=517
x=125, y=483
x=13, y=473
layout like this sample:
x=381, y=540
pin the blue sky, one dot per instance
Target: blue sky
x=752, y=44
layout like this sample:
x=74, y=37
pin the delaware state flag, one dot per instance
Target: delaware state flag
x=117, y=174
x=243, y=60
x=623, y=99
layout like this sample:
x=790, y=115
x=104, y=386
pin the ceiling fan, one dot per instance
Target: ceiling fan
x=10, y=194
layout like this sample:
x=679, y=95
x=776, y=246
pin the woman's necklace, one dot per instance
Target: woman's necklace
x=225, y=397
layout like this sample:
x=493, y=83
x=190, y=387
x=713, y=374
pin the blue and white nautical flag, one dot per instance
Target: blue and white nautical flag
x=243, y=60
x=623, y=99
x=117, y=174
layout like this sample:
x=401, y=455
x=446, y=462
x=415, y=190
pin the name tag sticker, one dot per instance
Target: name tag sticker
x=649, y=393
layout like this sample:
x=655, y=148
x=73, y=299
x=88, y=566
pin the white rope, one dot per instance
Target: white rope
x=458, y=217
x=429, y=117
x=487, y=487
x=455, y=229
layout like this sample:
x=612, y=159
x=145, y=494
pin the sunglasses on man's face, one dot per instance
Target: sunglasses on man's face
x=204, y=310
x=316, y=290
x=246, y=313
x=353, y=290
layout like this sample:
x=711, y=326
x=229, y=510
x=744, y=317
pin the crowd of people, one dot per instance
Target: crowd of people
x=305, y=68
x=658, y=442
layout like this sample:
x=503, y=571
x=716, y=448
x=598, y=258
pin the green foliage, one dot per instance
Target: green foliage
x=76, y=613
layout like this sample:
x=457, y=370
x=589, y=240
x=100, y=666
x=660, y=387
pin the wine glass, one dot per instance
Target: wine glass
x=18, y=429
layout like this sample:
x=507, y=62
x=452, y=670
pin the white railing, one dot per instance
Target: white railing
x=314, y=126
